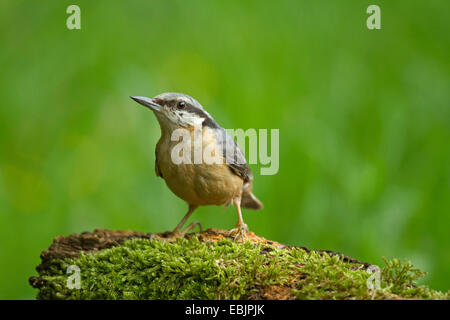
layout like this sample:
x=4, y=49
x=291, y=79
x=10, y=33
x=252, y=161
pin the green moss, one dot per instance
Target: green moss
x=190, y=269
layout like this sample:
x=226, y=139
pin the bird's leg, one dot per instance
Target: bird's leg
x=177, y=231
x=241, y=228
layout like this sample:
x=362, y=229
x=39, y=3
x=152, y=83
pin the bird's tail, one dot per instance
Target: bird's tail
x=248, y=199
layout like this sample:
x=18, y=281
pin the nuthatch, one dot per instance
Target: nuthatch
x=200, y=184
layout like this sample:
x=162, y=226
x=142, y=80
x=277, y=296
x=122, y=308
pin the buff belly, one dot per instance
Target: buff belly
x=198, y=184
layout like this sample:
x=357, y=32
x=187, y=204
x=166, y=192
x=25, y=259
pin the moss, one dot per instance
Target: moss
x=192, y=269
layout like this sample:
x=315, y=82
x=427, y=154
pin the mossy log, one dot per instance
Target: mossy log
x=210, y=265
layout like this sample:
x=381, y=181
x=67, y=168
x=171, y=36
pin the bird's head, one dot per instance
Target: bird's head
x=175, y=110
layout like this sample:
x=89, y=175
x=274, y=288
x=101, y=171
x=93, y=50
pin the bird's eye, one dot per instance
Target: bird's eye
x=181, y=104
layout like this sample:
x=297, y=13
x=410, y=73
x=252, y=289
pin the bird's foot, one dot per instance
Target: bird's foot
x=180, y=234
x=192, y=226
x=239, y=233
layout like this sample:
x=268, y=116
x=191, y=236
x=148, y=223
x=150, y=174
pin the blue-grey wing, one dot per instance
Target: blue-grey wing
x=234, y=157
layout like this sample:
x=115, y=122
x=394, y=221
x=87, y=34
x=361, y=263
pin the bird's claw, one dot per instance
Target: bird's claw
x=239, y=233
x=192, y=226
x=181, y=234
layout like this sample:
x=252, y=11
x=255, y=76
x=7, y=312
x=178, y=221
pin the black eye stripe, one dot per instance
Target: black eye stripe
x=191, y=109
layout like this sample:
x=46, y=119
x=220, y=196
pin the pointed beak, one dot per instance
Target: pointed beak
x=147, y=102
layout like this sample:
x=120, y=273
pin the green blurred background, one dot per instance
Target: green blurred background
x=364, y=119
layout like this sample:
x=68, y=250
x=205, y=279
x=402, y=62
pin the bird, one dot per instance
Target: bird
x=225, y=181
